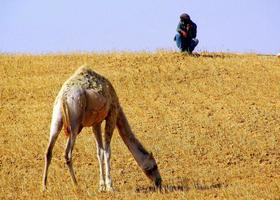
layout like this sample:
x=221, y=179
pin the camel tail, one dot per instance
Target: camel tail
x=135, y=147
x=66, y=117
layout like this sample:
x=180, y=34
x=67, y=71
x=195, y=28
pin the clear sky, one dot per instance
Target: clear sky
x=34, y=26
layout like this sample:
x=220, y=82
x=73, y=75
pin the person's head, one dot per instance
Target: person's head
x=185, y=17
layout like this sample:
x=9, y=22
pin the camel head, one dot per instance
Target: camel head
x=151, y=170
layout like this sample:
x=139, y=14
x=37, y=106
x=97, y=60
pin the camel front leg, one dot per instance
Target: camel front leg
x=109, y=128
x=100, y=155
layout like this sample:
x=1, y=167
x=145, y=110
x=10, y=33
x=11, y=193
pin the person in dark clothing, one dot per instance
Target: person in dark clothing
x=186, y=37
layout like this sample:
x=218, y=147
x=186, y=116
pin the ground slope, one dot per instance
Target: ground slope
x=212, y=122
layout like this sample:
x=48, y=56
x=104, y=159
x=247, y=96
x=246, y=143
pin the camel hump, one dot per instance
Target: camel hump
x=84, y=69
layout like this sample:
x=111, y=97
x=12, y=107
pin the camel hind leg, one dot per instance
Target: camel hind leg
x=56, y=126
x=68, y=156
x=73, y=111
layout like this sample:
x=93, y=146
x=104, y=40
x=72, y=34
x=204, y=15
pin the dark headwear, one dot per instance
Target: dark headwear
x=185, y=17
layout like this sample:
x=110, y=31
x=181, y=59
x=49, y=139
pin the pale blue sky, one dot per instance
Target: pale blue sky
x=34, y=26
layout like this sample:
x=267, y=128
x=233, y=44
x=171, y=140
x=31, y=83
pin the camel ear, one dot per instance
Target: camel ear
x=151, y=155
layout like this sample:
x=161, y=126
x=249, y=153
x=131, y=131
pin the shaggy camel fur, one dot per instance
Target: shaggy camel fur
x=85, y=100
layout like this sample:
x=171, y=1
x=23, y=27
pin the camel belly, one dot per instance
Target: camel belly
x=96, y=108
x=94, y=117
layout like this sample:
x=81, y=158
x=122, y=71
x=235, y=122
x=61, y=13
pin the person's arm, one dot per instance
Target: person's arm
x=181, y=31
x=194, y=30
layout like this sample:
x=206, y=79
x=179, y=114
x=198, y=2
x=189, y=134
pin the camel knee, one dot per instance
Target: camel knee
x=68, y=160
x=100, y=154
x=48, y=155
x=107, y=152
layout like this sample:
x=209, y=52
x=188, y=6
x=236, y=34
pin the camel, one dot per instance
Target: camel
x=86, y=99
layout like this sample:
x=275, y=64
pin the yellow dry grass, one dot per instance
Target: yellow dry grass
x=212, y=122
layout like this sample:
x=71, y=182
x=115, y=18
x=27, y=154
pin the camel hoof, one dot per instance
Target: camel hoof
x=110, y=189
x=44, y=188
x=102, y=188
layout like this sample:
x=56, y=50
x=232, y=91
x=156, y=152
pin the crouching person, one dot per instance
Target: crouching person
x=186, y=37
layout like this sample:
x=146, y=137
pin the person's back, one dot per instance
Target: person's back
x=186, y=36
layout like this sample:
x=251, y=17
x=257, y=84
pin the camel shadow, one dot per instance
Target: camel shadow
x=183, y=185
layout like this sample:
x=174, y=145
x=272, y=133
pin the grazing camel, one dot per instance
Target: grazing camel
x=86, y=99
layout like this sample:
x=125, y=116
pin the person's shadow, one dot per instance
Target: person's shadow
x=181, y=185
x=214, y=55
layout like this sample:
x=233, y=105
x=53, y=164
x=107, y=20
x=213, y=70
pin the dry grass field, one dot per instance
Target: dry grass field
x=212, y=123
